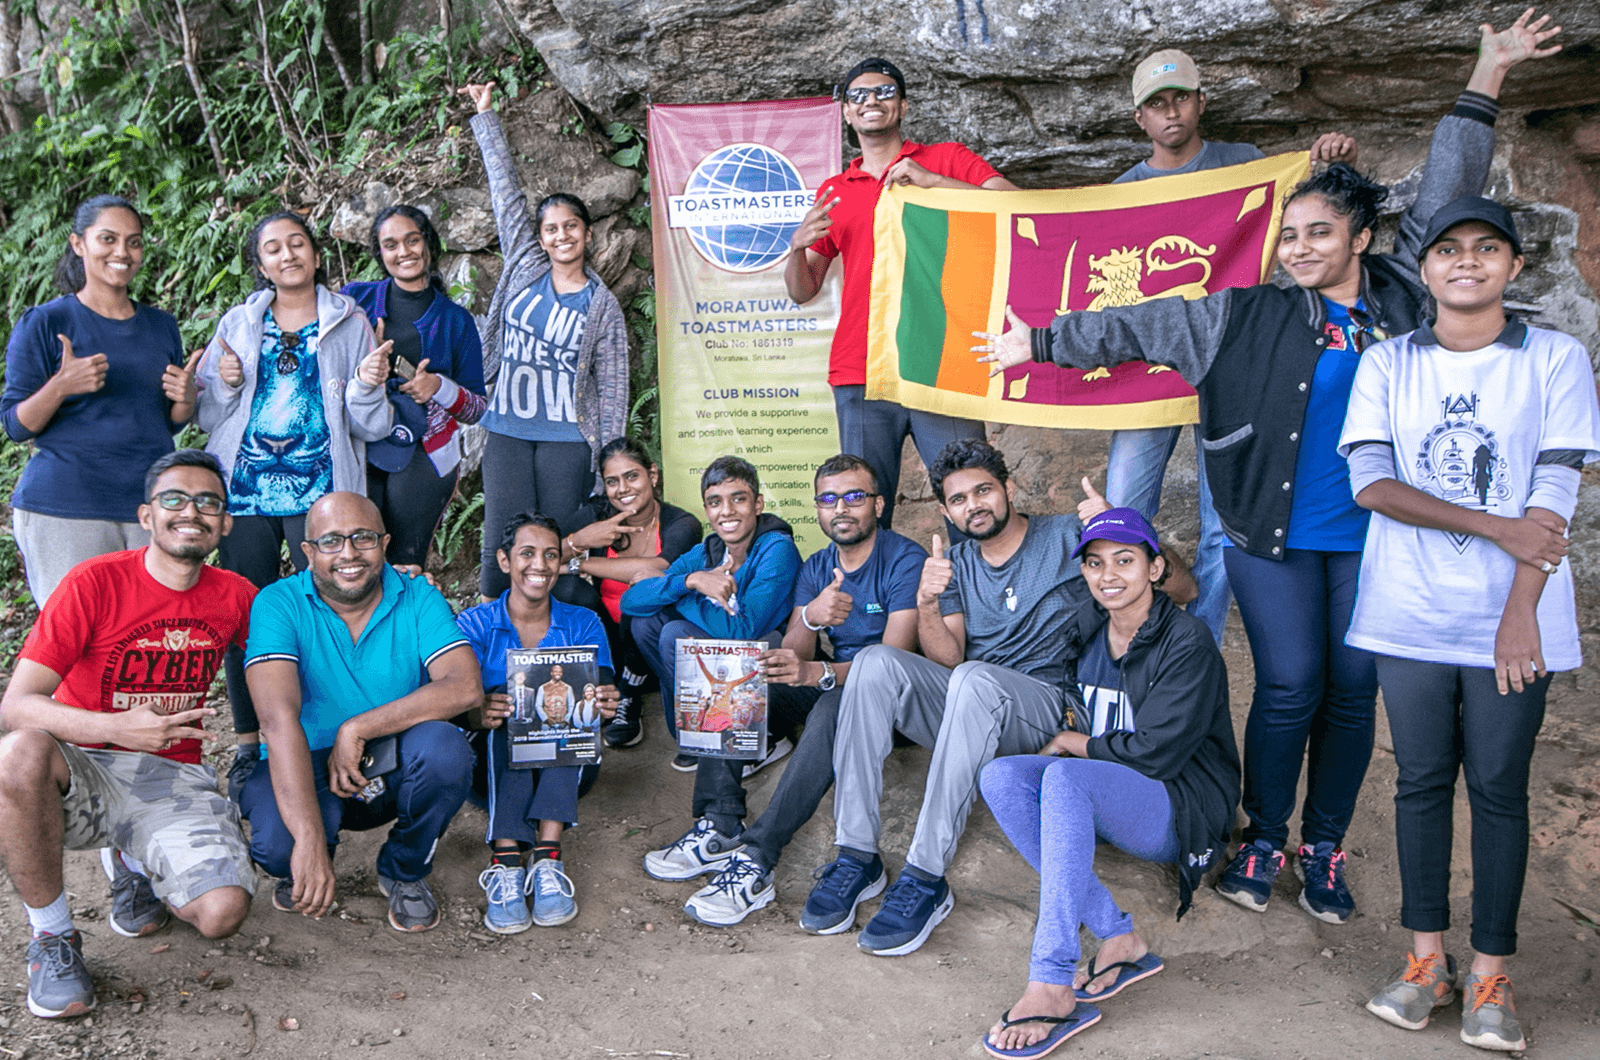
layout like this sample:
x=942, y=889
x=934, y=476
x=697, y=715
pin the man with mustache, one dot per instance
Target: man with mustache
x=340, y=656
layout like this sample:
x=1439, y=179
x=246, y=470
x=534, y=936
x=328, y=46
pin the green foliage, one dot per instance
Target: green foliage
x=461, y=525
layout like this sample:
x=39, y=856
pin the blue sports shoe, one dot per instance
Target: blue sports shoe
x=1325, y=896
x=911, y=909
x=506, y=888
x=552, y=893
x=842, y=885
x=1249, y=876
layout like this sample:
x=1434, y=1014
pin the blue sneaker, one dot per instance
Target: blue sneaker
x=506, y=888
x=911, y=909
x=1321, y=869
x=842, y=885
x=1249, y=876
x=552, y=893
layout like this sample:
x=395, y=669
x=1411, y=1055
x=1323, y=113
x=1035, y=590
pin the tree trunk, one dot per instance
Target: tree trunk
x=10, y=67
x=364, y=28
x=191, y=66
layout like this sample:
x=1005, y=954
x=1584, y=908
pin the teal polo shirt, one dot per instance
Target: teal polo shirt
x=411, y=626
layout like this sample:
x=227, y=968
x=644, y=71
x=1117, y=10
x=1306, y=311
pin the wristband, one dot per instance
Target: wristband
x=804, y=621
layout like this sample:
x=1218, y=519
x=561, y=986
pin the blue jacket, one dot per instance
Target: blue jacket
x=764, y=584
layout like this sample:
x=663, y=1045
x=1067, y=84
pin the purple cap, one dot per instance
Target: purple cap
x=1118, y=524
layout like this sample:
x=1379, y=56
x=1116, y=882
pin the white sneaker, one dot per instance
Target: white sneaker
x=733, y=894
x=700, y=850
x=776, y=753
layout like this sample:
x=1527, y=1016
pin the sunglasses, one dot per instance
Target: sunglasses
x=365, y=540
x=853, y=499
x=177, y=501
x=288, y=359
x=860, y=95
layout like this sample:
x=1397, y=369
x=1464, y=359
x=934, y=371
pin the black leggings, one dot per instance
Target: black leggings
x=411, y=502
x=253, y=548
x=551, y=478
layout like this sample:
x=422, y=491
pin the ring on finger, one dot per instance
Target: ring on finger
x=1547, y=567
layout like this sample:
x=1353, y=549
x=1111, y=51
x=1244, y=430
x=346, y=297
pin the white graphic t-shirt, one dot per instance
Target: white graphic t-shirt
x=1467, y=428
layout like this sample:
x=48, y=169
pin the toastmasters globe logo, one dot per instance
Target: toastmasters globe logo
x=740, y=206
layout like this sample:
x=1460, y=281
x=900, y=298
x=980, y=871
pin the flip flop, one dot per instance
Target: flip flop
x=1065, y=1027
x=1128, y=973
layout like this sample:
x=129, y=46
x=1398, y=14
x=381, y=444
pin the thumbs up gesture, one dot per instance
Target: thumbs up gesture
x=1006, y=350
x=423, y=385
x=374, y=368
x=178, y=383
x=230, y=369
x=79, y=375
x=1092, y=504
x=832, y=605
x=936, y=574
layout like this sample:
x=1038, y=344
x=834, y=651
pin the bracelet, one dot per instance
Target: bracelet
x=804, y=621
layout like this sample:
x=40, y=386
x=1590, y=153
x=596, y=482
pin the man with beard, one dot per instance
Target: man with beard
x=105, y=711
x=861, y=589
x=340, y=657
x=991, y=617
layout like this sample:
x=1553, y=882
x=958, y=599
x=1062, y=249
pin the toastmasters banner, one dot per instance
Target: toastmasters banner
x=949, y=262
x=743, y=369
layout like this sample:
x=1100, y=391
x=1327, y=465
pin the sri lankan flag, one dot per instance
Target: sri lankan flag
x=947, y=263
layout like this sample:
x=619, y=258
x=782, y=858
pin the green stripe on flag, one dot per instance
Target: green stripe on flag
x=920, y=336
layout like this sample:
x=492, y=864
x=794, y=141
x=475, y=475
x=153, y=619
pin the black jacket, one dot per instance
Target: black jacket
x=1250, y=352
x=1177, y=688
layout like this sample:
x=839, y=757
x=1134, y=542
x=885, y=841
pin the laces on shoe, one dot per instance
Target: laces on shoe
x=903, y=897
x=837, y=877
x=57, y=954
x=547, y=880
x=499, y=883
x=689, y=839
x=730, y=879
x=1489, y=991
x=1419, y=969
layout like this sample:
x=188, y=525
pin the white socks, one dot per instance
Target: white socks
x=53, y=919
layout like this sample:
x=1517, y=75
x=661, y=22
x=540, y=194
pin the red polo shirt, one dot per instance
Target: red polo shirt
x=851, y=235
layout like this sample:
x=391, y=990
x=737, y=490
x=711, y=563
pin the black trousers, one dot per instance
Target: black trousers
x=550, y=478
x=411, y=501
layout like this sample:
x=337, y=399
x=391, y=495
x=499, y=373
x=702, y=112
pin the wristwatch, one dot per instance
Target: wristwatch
x=575, y=561
x=828, y=677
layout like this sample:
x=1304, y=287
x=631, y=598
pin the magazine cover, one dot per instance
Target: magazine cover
x=555, y=714
x=722, y=698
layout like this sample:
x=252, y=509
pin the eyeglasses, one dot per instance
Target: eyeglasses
x=177, y=501
x=853, y=499
x=860, y=95
x=288, y=360
x=365, y=540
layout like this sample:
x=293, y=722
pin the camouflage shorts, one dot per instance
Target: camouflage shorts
x=169, y=815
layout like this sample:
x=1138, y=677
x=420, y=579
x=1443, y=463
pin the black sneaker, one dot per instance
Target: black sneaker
x=685, y=763
x=135, y=909
x=245, y=757
x=283, y=895
x=627, y=728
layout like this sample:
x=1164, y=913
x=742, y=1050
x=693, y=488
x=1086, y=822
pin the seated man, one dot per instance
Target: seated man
x=991, y=617
x=736, y=585
x=529, y=808
x=340, y=656
x=862, y=589
x=105, y=710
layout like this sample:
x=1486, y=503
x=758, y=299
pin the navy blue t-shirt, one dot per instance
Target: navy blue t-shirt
x=884, y=584
x=90, y=459
x=1100, y=681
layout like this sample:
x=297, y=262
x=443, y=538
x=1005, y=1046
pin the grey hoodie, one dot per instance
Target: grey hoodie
x=356, y=413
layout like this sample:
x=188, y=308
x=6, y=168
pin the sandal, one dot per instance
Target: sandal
x=1128, y=973
x=1082, y=1017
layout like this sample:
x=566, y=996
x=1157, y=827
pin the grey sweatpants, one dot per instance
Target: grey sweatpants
x=968, y=716
x=51, y=546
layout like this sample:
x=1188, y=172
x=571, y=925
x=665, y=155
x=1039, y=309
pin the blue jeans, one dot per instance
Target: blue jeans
x=1053, y=810
x=1315, y=698
x=423, y=794
x=876, y=431
x=1135, y=467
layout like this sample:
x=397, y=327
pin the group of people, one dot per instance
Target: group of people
x=1427, y=443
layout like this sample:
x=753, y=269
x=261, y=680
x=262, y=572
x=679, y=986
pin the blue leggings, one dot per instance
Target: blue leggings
x=1041, y=805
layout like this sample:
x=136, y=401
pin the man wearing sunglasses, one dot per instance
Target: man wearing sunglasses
x=343, y=656
x=840, y=224
x=861, y=589
x=105, y=712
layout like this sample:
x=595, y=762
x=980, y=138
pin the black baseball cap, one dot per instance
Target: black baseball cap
x=1471, y=208
x=874, y=65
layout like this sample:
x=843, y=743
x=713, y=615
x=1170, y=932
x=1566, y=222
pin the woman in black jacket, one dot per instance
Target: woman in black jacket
x=1147, y=763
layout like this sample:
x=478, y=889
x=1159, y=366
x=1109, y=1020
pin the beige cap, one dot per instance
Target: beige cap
x=1168, y=68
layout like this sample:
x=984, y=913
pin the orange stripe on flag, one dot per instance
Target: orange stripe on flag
x=965, y=286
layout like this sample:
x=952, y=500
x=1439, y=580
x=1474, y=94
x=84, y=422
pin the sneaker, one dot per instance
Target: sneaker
x=283, y=895
x=627, y=728
x=685, y=763
x=1249, y=876
x=700, y=850
x=58, y=980
x=245, y=757
x=733, y=894
x=412, y=906
x=1409, y=1001
x=135, y=909
x=776, y=753
x=552, y=893
x=911, y=909
x=1489, y=1016
x=506, y=888
x=1321, y=869
x=842, y=885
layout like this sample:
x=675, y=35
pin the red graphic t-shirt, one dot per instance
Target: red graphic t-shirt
x=120, y=639
x=851, y=235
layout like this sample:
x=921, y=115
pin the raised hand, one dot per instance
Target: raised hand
x=936, y=575
x=1006, y=350
x=1334, y=147
x=601, y=534
x=482, y=96
x=142, y=729
x=832, y=605
x=717, y=585
x=816, y=222
x=1519, y=42
x=423, y=385
x=230, y=369
x=1092, y=504
x=79, y=375
x=178, y=383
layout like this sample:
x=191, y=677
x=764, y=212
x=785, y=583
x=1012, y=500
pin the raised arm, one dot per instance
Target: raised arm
x=519, y=240
x=943, y=636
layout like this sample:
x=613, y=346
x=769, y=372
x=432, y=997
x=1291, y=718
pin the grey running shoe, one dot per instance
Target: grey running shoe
x=58, y=980
x=411, y=905
x=1409, y=1001
x=135, y=909
x=1489, y=1016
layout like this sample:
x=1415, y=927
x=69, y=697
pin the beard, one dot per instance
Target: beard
x=1002, y=517
x=180, y=548
x=332, y=590
x=861, y=530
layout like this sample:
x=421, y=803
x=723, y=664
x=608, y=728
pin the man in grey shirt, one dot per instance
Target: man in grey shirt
x=990, y=617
